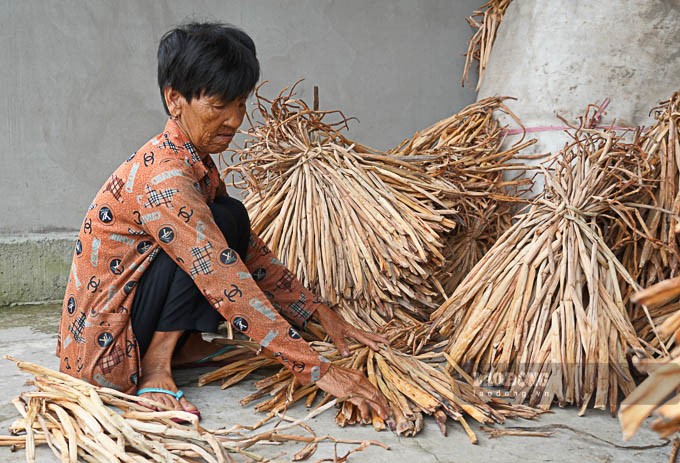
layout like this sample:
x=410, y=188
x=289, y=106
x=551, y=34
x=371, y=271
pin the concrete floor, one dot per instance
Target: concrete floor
x=28, y=333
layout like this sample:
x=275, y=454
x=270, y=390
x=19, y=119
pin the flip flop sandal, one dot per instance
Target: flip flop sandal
x=177, y=395
x=208, y=361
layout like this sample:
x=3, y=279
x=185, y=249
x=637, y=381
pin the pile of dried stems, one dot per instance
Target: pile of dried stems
x=81, y=422
x=361, y=228
x=365, y=230
x=414, y=385
x=466, y=149
x=486, y=20
x=544, y=311
x=654, y=256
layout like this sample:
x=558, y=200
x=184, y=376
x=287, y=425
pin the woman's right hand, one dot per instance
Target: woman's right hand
x=353, y=386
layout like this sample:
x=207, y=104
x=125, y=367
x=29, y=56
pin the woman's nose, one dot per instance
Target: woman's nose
x=235, y=119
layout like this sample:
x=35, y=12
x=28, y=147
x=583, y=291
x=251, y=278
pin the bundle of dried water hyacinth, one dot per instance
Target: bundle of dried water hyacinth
x=361, y=228
x=414, y=386
x=543, y=312
x=466, y=149
x=81, y=422
x=654, y=256
x=486, y=20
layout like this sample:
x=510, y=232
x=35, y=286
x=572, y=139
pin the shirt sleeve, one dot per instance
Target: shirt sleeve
x=283, y=289
x=198, y=246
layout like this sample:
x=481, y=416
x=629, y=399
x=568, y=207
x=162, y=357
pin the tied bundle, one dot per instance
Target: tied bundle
x=654, y=258
x=414, y=386
x=543, y=312
x=360, y=228
x=82, y=422
x=466, y=150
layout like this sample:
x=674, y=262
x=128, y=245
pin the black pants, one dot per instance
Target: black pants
x=167, y=298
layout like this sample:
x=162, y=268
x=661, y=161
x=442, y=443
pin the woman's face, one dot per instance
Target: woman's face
x=208, y=122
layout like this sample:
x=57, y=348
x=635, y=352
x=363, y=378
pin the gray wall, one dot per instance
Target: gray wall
x=79, y=94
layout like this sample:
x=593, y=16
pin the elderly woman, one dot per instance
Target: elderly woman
x=164, y=254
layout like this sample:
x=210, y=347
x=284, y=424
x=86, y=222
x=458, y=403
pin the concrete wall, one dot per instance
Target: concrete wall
x=79, y=93
x=78, y=80
x=556, y=57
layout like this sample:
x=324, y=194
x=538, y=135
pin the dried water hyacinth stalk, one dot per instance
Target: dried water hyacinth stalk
x=414, y=386
x=486, y=20
x=466, y=149
x=360, y=228
x=661, y=301
x=471, y=240
x=658, y=394
x=655, y=256
x=543, y=312
x=82, y=422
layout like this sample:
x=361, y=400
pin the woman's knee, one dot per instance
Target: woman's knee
x=232, y=219
x=230, y=212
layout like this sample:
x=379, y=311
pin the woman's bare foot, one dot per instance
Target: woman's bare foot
x=156, y=372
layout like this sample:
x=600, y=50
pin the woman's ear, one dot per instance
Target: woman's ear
x=174, y=101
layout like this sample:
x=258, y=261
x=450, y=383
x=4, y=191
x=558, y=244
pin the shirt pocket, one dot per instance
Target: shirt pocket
x=110, y=355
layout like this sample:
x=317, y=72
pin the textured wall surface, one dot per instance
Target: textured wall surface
x=79, y=93
x=34, y=267
x=556, y=57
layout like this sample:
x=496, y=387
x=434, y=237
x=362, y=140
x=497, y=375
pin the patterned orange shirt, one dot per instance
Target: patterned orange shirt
x=158, y=199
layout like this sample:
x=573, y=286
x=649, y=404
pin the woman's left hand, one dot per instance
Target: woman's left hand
x=338, y=330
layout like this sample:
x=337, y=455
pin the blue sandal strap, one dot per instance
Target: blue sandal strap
x=177, y=395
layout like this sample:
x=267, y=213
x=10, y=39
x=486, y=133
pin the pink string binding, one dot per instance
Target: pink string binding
x=549, y=128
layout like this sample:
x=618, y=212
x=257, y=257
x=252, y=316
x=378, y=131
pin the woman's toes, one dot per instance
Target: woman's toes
x=164, y=399
x=160, y=399
x=188, y=406
x=171, y=403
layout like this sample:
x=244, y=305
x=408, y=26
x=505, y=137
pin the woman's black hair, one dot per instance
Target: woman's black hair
x=210, y=59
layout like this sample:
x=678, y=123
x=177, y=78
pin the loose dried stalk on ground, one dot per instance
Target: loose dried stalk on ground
x=81, y=422
x=466, y=149
x=655, y=256
x=359, y=227
x=486, y=20
x=413, y=385
x=543, y=312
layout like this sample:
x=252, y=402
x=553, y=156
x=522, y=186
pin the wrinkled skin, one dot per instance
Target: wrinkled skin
x=207, y=121
x=353, y=386
x=346, y=383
